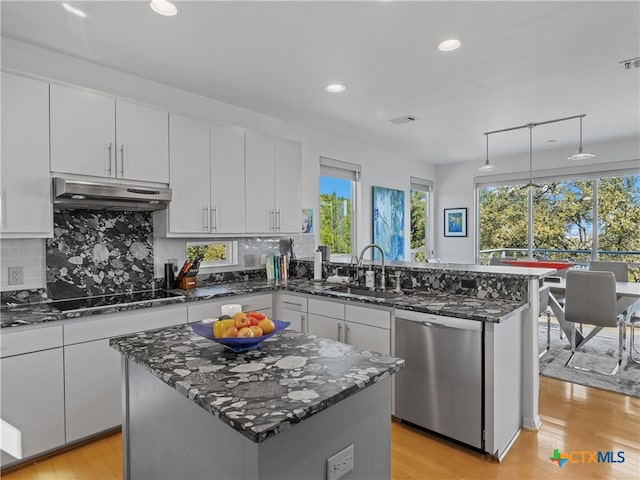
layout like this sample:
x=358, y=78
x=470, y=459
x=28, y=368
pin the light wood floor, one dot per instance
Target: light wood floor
x=574, y=418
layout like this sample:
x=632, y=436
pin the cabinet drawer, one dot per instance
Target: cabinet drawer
x=116, y=324
x=293, y=302
x=369, y=316
x=326, y=308
x=25, y=341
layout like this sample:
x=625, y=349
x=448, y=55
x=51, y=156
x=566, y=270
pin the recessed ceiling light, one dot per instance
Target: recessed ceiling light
x=449, y=45
x=163, y=7
x=335, y=88
x=76, y=11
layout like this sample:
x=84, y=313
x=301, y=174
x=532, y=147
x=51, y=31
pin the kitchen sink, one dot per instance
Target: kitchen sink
x=365, y=292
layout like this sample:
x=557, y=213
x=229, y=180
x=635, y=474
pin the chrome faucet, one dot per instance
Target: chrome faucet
x=374, y=245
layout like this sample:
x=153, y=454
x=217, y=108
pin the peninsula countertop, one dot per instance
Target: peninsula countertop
x=259, y=393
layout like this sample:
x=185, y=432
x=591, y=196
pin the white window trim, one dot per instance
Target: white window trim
x=232, y=254
x=421, y=184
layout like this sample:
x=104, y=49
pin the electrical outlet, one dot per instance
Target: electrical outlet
x=16, y=276
x=340, y=463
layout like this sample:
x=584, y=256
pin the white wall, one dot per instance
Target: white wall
x=455, y=185
x=382, y=168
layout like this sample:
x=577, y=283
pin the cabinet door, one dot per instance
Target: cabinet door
x=142, y=134
x=260, y=183
x=296, y=318
x=92, y=388
x=33, y=402
x=326, y=327
x=189, y=175
x=227, y=180
x=368, y=338
x=82, y=132
x=287, y=191
x=25, y=188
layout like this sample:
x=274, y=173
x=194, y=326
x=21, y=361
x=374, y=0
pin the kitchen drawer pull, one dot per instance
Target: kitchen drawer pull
x=286, y=302
x=205, y=218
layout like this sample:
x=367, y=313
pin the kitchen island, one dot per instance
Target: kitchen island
x=192, y=409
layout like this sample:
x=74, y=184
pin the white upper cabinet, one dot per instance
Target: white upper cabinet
x=260, y=183
x=227, y=180
x=273, y=184
x=189, y=175
x=142, y=136
x=25, y=184
x=287, y=192
x=206, y=177
x=96, y=135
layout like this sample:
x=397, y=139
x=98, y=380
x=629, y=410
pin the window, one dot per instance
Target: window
x=338, y=182
x=587, y=217
x=214, y=253
x=421, y=238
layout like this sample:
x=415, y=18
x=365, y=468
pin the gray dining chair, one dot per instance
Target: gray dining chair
x=619, y=269
x=591, y=300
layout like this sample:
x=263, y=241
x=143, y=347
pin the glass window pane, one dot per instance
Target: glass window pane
x=563, y=220
x=503, y=222
x=335, y=214
x=419, y=225
x=212, y=253
x=618, y=220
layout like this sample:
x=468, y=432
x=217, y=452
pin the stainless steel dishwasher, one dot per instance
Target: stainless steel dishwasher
x=441, y=386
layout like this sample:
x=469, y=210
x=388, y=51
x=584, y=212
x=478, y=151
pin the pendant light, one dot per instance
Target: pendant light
x=580, y=155
x=487, y=167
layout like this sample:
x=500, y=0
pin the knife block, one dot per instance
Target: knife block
x=187, y=282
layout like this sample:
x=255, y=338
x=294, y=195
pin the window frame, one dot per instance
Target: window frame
x=231, y=250
x=426, y=186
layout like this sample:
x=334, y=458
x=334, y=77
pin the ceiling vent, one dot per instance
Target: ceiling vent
x=628, y=64
x=405, y=119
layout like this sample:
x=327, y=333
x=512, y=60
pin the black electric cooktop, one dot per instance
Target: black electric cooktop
x=114, y=299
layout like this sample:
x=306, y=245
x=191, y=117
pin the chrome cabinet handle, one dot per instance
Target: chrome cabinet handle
x=205, y=218
x=214, y=218
x=122, y=160
x=340, y=332
x=303, y=321
x=433, y=325
x=272, y=220
x=278, y=219
x=286, y=302
x=110, y=158
x=347, y=334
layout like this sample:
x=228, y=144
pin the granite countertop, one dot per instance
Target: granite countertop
x=460, y=306
x=259, y=393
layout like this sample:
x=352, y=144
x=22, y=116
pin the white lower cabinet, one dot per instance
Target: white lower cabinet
x=294, y=310
x=92, y=388
x=32, y=404
x=364, y=327
x=92, y=368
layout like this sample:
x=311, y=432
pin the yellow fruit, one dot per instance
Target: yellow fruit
x=267, y=326
x=220, y=326
x=245, y=332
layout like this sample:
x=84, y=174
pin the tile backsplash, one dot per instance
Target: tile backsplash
x=27, y=253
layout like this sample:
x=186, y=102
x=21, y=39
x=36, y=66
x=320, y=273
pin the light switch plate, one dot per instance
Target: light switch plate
x=16, y=276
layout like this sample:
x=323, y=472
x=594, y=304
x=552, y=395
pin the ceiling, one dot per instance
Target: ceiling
x=520, y=62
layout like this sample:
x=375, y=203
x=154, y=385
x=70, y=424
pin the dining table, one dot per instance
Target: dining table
x=628, y=294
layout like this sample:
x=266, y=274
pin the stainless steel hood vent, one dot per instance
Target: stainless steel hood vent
x=69, y=193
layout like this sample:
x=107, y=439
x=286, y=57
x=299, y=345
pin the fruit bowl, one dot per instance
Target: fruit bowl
x=238, y=345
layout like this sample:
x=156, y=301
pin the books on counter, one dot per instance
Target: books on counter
x=277, y=267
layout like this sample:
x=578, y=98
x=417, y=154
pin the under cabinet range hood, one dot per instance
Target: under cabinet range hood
x=72, y=193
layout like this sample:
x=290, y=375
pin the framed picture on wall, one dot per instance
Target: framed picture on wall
x=455, y=222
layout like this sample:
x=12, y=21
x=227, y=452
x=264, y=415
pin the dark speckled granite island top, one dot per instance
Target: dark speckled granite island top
x=291, y=377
